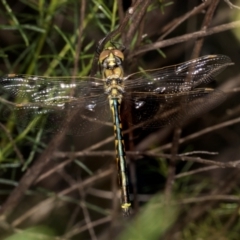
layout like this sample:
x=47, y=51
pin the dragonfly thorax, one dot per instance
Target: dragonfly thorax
x=114, y=87
x=111, y=65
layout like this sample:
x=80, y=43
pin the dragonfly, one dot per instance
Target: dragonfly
x=154, y=98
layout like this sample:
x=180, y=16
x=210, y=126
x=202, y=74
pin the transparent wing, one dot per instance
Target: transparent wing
x=78, y=104
x=178, y=78
x=49, y=90
x=154, y=110
x=155, y=97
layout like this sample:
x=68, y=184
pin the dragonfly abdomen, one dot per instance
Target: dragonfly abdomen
x=120, y=153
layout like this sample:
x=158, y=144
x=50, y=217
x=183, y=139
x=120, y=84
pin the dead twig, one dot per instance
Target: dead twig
x=186, y=37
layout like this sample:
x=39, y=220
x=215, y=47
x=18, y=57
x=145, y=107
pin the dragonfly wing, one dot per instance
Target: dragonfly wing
x=178, y=78
x=74, y=118
x=48, y=90
x=58, y=102
x=156, y=110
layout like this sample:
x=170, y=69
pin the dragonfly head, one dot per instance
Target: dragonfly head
x=111, y=58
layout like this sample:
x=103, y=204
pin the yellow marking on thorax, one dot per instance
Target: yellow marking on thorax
x=116, y=72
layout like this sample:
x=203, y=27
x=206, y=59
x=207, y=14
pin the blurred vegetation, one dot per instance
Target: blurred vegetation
x=41, y=37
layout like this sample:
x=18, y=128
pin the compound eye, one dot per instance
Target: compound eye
x=119, y=54
x=104, y=54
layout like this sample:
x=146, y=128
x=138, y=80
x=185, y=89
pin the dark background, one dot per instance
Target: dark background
x=58, y=38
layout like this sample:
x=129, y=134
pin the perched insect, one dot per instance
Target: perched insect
x=153, y=97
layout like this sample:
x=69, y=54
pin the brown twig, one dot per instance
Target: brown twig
x=136, y=21
x=183, y=157
x=176, y=22
x=206, y=22
x=84, y=208
x=232, y=5
x=186, y=37
x=172, y=163
x=199, y=170
x=87, y=182
x=120, y=10
x=80, y=229
x=200, y=133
